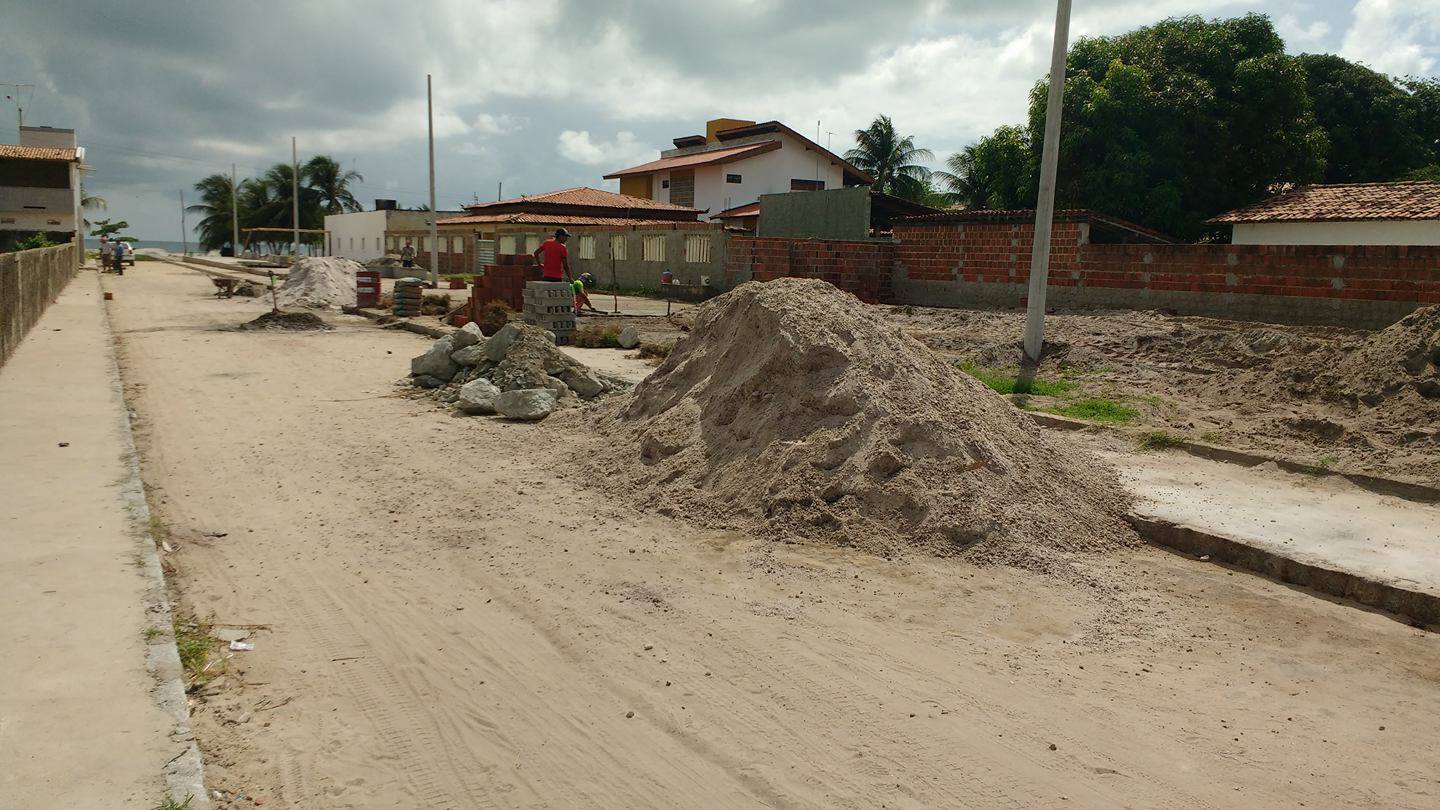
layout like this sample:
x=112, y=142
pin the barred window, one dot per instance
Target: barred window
x=654, y=248
x=532, y=242
x=697, y=248
x=585, y=246
x=617, y=248
x=507, y=245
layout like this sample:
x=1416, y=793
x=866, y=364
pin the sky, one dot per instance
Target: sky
x=547, y=94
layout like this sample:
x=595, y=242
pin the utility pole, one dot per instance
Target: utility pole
x=184, y=232
x=1045, y=206
x=434, y=234
x=500, y=190
x=234, y=215
x=19, y=105
x=294, y=198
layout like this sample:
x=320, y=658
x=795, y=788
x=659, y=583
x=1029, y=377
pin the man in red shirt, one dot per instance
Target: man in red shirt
x=553, y=258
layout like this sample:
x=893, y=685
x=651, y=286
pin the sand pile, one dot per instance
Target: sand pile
x=288, y=321
x=795, y=410
x=326, y=281
x=1402, y=357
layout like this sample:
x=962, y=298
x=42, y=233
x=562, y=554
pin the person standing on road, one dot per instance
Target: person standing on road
x=407, y=255
x=104, y=255
x=552, y=257
x=119, y=257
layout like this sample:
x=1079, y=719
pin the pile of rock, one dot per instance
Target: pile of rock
x=517, y=373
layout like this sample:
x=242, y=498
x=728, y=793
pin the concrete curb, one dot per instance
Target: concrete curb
x=185, y=773
x=1418, y=606
x=1409, y=490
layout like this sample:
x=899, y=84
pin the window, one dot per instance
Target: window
x=484, y=253
x=665, y=183
x=617, y=248
x=425, y=244
x=585, y=246
x=732, y=178
x=532, y=242
x=697, y=248
x=444, y=244
x=807, y=185
x=653, y=248
x=507, y=245
x=457, y=244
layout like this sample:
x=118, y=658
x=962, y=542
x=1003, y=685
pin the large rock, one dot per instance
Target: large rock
x=529, y=404
x=499, y=343
x=629, y=338
x=426, y=381
x=436, y=362
x=583, y=382
x=468, y=335
x=472, y=355
x=478, y=396
x=513, y=373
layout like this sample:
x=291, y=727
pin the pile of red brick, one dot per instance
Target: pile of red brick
x=503, y=282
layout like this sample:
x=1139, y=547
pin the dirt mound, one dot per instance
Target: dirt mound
x=794, y=409
x=1404, y=356
x=320, y=282
x=290, y=321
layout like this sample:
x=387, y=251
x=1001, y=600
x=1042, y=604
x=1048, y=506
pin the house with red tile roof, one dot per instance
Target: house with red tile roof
x=40, y=184
x=735, y=162
x=1401, y=213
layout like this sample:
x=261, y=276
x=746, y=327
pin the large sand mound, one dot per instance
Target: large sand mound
x=1401, y=357
x=794, y=409
x=327, y=281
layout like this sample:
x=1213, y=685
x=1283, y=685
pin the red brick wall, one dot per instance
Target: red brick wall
x=503, y=282
x=862, y=268
x=1000, y=253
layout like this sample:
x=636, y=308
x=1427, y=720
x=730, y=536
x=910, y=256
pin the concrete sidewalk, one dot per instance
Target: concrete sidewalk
x=83, y=722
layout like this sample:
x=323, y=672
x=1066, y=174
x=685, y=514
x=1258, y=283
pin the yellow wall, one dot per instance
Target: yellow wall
x=636, y=186
x=722, y=124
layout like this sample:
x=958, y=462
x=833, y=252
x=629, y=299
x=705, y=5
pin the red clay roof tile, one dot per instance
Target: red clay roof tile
x=1344, y=201
x=10, y=150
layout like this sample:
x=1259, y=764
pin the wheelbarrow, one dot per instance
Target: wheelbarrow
x=224, y=287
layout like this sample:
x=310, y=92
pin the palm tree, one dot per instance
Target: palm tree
x=891, y=159
x=998, y=172
x=331, y=184
x=90, y=202
x=215, y=208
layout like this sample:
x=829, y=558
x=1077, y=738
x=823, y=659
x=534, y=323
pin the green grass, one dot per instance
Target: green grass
x=1097, y=410
x=597, y=337
x=171, y=804
x=1212, y=437
x=192, y=642
x=1160, y=440
x=1004, y=383
x=152, y=633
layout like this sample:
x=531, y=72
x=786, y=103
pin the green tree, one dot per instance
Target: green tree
x=891, y=159
x=331, y=184
x=998, y=172
x=105, y=227
x=1370, y=121
x=90, y=202
x=215, y=208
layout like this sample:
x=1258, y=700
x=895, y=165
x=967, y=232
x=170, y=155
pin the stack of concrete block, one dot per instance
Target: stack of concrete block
x=550, y=306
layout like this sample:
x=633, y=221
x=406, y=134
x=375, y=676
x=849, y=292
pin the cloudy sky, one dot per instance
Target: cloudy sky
x=544, y=94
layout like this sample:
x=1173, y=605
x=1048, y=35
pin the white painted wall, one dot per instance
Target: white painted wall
x=1388, y=232
x=767, y=173
x=358, y=236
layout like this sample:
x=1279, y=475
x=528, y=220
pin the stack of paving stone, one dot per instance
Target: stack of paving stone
x=550, y=306
x=409, y=295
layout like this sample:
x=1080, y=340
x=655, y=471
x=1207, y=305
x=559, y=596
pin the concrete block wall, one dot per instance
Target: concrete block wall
x=30, y=280
x=450, y=263
x=969, y=264
x=634, y=272
x=863, y=268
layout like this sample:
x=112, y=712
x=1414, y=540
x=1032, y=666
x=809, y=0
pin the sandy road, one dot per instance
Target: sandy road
x=455, y=621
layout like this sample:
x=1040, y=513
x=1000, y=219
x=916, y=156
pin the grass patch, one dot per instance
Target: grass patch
x=1097, y=410
x=655, y=352
x=1160, y=440
x=146, y=257
x=171, y=804
x=192, y=642
x=1002, y=382
x=596, y=336
x=1212, y=437
x=152, y=633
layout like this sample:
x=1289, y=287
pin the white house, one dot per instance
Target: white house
x=734, y=163
x=1403, y=213
x=40, y=181
x=366, y=235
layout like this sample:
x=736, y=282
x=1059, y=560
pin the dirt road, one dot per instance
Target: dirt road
x=456, y=620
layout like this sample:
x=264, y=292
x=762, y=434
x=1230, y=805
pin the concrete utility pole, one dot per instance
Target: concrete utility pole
x=294, y=197
x=184, y=232
x=1045, y=207
x=234, y=215
x=434, y=230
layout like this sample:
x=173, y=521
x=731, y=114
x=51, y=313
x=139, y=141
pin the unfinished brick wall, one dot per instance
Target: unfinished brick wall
x=450, y=263
x=862, y=268
x=988, y=264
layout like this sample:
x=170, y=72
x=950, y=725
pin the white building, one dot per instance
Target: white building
x=40, y=182
x=366, y=235
x=1406, y=213
x=734, y=163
